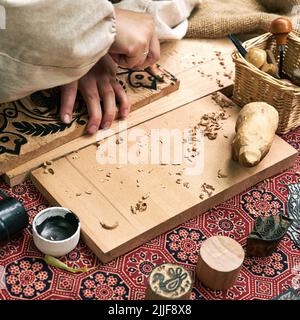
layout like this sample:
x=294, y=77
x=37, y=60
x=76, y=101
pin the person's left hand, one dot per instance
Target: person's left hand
x=100, y=90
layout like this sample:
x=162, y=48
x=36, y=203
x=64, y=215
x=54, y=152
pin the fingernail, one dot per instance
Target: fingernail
x=92, y=129
x=67, y=118
x=106, y=125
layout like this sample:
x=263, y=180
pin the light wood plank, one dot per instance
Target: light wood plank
x=193, y=85
x=169, y=203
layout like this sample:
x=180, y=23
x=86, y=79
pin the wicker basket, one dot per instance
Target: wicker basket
x=252, y=84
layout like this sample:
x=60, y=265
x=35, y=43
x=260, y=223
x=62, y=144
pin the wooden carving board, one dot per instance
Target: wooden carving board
x=31, y=126
x=104, y=193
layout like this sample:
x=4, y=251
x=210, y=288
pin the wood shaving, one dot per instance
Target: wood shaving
x=50, y=170
x=178, y=181
x=109, y=227
x=212, y=123
x=140, y=206
x=186, y=185
x=221, y=100
x=208, y=189
x=46, y=166
x=119, y=140
x=221, y=175
x=146, y=196
x=133, y=209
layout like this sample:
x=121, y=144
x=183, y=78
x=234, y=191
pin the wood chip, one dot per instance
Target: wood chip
x=78, y=194
x=221, y=175
x=88, y=192
x=146, y=196
x=119, y=140
x=133, y=209
x=178, y=181
x=208, y=189
x=50, y=170
x=109, y=227
x=186, y=185
x=139, y=207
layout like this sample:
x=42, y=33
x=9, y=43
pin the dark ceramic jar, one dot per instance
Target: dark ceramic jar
x=13, y=217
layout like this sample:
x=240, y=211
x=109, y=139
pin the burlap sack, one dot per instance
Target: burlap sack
x=218, y=18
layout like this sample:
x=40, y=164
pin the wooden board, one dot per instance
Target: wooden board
x=104, y=193
x=31, y=126
x=199, y=74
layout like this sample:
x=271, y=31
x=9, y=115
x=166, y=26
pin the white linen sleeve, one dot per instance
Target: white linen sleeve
x=170, y=16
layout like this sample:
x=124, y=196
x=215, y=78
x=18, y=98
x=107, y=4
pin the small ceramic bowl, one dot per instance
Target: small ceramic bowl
x=56, y=231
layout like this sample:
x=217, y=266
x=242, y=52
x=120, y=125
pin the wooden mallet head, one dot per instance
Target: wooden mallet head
x=281, y=27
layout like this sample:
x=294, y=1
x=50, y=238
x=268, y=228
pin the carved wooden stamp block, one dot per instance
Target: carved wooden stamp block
x=31, y=126
x=169, y=282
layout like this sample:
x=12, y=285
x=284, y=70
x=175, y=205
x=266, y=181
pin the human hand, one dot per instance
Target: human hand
x=100, y=90
x=136, y=44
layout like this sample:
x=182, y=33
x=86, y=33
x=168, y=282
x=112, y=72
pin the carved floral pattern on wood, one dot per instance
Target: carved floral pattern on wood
x=38, y=114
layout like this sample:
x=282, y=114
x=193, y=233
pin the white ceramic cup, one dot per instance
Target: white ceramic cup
x=49, y=247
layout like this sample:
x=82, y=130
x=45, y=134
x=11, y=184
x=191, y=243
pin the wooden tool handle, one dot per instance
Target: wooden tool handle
x=281, y=27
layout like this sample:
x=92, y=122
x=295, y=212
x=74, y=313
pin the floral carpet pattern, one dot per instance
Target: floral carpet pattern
x=27, y=276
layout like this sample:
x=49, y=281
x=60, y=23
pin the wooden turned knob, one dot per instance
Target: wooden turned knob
x=219, y=262
x=169, y=282
x=281, y=27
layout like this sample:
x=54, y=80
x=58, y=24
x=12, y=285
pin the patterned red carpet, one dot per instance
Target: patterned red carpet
x=28, y=276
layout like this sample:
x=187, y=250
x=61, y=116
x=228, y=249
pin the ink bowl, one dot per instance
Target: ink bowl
x=56, y=231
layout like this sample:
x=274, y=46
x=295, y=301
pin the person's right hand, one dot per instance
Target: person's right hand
x=136, y=45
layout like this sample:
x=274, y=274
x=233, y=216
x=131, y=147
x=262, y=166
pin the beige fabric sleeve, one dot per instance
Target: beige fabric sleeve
x=170, y=16
x=47, y=43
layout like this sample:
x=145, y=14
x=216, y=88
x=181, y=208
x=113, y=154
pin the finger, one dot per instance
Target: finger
x=135, y=56
x=108, y=103
x=122, y=98
x=67, y=101
x=89, y=91
x=116, y=58
x=154, y=52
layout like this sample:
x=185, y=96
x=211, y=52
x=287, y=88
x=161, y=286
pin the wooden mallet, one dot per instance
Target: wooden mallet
x=280, y=28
